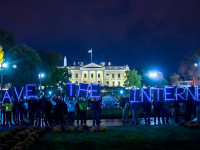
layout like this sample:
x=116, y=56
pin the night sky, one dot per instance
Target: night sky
x=155, y=34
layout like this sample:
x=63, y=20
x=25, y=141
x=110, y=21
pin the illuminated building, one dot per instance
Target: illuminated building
x=97, y=74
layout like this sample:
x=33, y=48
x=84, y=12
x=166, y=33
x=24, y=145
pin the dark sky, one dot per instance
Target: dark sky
x=148, y=33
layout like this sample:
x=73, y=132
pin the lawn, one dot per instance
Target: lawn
x=141, y=137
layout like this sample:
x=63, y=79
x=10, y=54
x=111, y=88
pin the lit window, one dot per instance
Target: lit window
x=113, y=75
x=118, y=83
x=85, y=75
x=113, y=83
x=76, y=75
x=118, y=75
x=99, y=75
x=107, y=83
x=124, y=74
x=92, y=75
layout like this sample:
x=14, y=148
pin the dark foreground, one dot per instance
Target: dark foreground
x=141, y=137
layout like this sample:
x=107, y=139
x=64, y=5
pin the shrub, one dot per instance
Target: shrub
x=81, y=129
x=21, y=135
x=17, y=139
x=94, y=129
x=34, y=135
x=17, y=148
x=57, y=129
x=103, y=128
x=70, y=129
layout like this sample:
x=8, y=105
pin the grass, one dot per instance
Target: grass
x=141, y=137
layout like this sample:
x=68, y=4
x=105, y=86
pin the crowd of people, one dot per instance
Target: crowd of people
x=50, y=111
x=160, y=111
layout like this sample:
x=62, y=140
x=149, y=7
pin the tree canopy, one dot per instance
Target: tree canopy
x=133, y=79
x=27, y=63
x=190, y=66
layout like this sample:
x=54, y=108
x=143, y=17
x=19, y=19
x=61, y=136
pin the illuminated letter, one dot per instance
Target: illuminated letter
x=30, y=90
x=134, y=96
x=70, y=89
x=83, y=90
x=20, y=95
x=158, y=94
x=198, y=94
x=95, y=90
x=6, y=97
x=147, y=93
x=191, y=93
x=179, y=93
x=169, y=93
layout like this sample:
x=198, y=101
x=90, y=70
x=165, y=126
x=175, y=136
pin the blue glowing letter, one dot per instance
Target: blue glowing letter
x=158, y=94
x=147, y=93
x=83, y=90
x=6, y=97
x=169, y=91
x=191, y=93
x=30, y=90
x=180, y=93
x=198, y=94
x=70, y=89
x=20, y=95
x=134, y=95
x=95, y=90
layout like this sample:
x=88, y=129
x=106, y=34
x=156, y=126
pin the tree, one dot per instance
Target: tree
x=174, y=79
x=7, y=39
x=159, y=81
x=190, y=66
x=133, y=79
x=28, y=63
x=56, y=77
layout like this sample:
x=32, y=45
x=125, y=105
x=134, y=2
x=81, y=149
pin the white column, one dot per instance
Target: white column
x=88, y=77
x=96, y=82
x=103, y=78
x=80, y=80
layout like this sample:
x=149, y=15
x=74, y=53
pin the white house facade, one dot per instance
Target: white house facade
x=92, y=73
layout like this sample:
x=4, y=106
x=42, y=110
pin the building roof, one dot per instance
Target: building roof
x=92, y=65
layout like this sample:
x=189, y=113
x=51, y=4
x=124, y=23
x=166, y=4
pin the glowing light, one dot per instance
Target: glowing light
x=133, y=93
x=71, y=89
x=143, y=93
x=30, y=90
x=169, y=94
x=41, y=75
x=50, y=92
x=190, y=94
x=158, y=93
x=95, y=90
x=83, y=92
x=121, y=91
x=153, y=74
x=6, y=96
x=195, y=64
x=14, y=66
x=20, y=94
x=4, y=65
x=180, y=94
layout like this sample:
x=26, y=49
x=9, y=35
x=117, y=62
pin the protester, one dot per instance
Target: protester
x=96, y=107
x=125, y=110
x=134, y=111
x=71, y=103
x=83, y=109
x=8, y=110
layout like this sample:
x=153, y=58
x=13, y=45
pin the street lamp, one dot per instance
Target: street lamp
x=153, y=75
x=41, y=76
x=2, y=68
